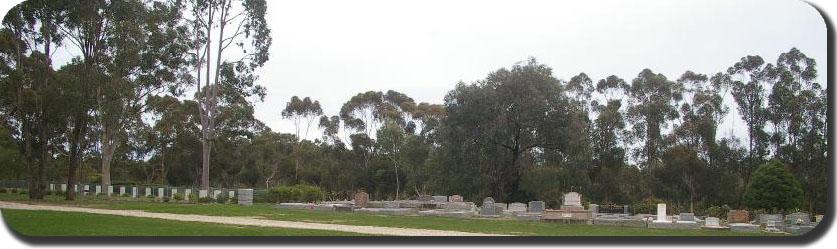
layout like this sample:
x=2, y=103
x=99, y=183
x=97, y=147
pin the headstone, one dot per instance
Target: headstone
x=422, y=198
x=440, y=198
x=231, y=194
x=517, y=206
x=215, y=194
x=122, y=190
x=245, y=197
x=63, y=187
x=818, y=218
x=52, y=187
x=738, y=216
x=488, y=206
x=661, y=213
x=537, y=206
x=594, y=208
x=203, y=193
x=572, y=199
x=110, y=190
x=134, y=192
x=147, y=191
x=799, y=219
x=173, y=192
x=767, y=218
x=455, y=198
x=626, y=210
x=361, y=199
x=186, y=193
x=686, y=217
x=161, y=192
x=713, y=222
x=98, y=189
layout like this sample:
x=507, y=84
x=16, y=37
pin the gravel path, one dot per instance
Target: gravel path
x=248, y=221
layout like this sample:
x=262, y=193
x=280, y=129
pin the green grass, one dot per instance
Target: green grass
x=267, y=211
x=51, y=223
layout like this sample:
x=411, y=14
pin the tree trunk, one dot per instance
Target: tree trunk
x=207, y=148
x=75, y=153
x=107, y=156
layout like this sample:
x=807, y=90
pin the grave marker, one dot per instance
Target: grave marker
x=98, y=189
x=537, y=206
x=134, y=191
x=455, y=198
x=661, y=213
x=713, y=222
x=245, y=197
x=147, y=191
x=122, y=190
x=361, y=199
x=186, y=193
x=161, y=192
x=440, y=198
x=203, y=193
x=738, y=216
x=63, y=187
x=488, y=206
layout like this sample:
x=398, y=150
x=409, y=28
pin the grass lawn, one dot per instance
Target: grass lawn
x=267, y=211
x=51, y=223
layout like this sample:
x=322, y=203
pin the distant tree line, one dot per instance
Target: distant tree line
x=119, y=113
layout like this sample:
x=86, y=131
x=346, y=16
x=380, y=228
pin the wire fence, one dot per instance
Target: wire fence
x=138, y=191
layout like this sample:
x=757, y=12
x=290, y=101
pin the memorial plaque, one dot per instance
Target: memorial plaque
x=661, y=213
x=488, y=206
x=455, y=198
x=713, y=222
x=572, y=199
x=738, y=216
x=361, y=199
x=686, y=217
x=537, y=206
x=245, y=197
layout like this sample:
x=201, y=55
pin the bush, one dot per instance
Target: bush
x=295, y=193
x=165, y=199
x=222, y=198
x=773, y=188
x=13, y=191
x=717, y=211
x=151, y=198
x=178, y=197
x=3, y=190
x=23, y=191
x=205, y=200
x=646, y=206
x=125, y=195
x=193, y=198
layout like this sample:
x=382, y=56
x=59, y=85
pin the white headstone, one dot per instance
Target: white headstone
x=215, y=194
x=134, y=192
x=572, y=199
x=110, y=190
x=147, y=191
x=98, y=189
x=202, y=193
x=713, y=222
x=122, y=190
x=173, y=192
x=246, y=197
x=161, y=192
x=52, y=187
x=231, y=194
x=661, y=213
x=63, y=187
x=187, y=193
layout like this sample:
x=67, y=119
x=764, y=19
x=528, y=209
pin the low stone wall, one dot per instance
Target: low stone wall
x=386, y=211
x=619, y=222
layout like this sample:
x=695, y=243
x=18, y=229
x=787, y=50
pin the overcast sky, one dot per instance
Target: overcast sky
x=332, y=50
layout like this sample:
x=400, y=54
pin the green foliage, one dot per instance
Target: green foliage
x=646, y=206
x=222, y=198
x=295, y=193
x=165, y=199
x=773, y=187
x=717, y=211
x=125, y=195
x=193, y=198
x=205, y=200
x=178, y=197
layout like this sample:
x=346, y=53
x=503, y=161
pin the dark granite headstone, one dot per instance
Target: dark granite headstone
x=537, y=206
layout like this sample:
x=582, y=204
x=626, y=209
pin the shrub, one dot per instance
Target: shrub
x=3, y=190
x=717, y=211
x=205, y=200
x=295, y=193
x=773, y=188
x=178, y=197
x=646, y=206
x=222, y=198
x=23, y=191
x=165, y=199
x=13, y=191
x=151, y=198
x=125, y=195
x=193, y=198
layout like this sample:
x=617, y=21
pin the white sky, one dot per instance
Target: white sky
x=332, y=50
